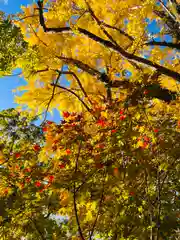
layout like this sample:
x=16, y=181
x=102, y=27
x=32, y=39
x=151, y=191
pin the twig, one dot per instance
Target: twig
x=34, y=15
x=76, y=95
x=74, y=195
x=159, y=203
x=119, y=30
x=78, y=81
x=167, y=10
x=52, y=96
x=100, y=205
x=37, y=229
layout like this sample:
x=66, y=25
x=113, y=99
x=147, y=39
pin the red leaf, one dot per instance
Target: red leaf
x=49, y=122
x=113, y=130
x=51, y=178
x=66, y=114
x=17, y=155
x=178, y=123
x=6, y=191
x=44, y=129
x=68, y=151
x=62, y=166
x=145, y=92
x=28, y=179
x=38, y=184
x=116, y=171
x=121, y=111
x=41, y=190
x=99, y=165
x=101, y=145
x=27, y=170
x=122, y=117
x=56, y=141
x=101, y=123
x=36, y=148
x=146, y=138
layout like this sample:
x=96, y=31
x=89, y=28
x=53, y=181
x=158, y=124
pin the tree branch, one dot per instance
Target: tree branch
x=51, y=98
x=78, y=81
x=76, y=95
x=164, y=44
x=37, y=229
x=109, y=45
x=100, y=205
x=119, y=30
x=74, y=195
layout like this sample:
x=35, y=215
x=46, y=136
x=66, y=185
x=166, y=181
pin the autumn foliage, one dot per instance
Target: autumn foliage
x=110, y=167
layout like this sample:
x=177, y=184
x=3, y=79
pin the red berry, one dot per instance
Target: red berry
x=131, y=193
x=156, y=130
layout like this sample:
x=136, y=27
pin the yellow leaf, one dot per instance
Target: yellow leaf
x=89, y=216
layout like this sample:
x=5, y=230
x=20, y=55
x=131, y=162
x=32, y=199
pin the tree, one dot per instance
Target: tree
x=96, y=66
x=25, y=209
x=115, y=156
x=12, y=44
